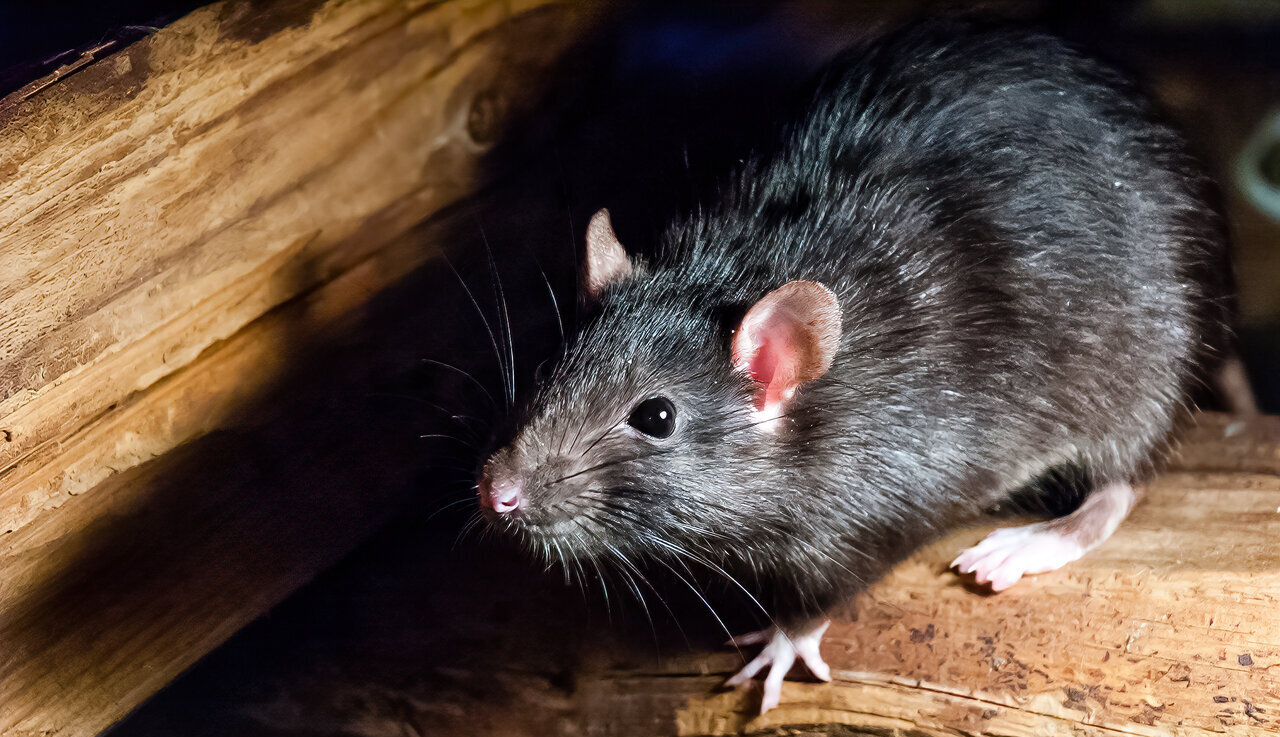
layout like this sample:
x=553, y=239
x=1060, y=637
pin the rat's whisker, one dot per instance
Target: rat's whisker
x=496, y=281
x=596, y=442
x=488, y=396
x=555, y=303
x=449, y=414
x=679, y=551
x=469, y=526
x=617, y=461
x=445, y=507
x=698, y=594
x=446, y=436
x=493, y=340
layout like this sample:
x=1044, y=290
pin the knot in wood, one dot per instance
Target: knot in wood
x=488, y=108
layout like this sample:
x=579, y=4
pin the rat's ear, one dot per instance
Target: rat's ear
x=607, y=261
x=787, y=338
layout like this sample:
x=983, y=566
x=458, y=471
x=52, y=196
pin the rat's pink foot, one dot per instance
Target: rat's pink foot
x=1008, y=554
x=780, y=654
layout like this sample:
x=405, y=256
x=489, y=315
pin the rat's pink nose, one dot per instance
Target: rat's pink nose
x=502, y=496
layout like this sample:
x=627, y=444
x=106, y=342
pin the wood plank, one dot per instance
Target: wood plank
x=187, y=185
x=186, y=226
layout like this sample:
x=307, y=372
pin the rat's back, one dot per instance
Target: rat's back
x=1025, y=257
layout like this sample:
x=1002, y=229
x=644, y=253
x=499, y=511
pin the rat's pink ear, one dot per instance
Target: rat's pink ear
x=787, y=338
x=607, y=261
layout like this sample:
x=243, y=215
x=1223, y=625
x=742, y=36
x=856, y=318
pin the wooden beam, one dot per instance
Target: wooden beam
x=165, y=197
x=181, y=224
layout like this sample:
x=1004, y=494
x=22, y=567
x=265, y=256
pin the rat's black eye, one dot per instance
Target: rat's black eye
x=655, y=416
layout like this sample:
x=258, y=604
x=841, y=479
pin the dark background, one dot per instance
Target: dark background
x=36, y=38
x=650, y=113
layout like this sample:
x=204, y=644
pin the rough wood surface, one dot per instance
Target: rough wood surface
x=1170, y=628
x=161, y=199
x=181, y=223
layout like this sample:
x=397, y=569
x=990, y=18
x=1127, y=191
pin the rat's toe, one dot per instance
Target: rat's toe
x=749, y=671
x=806, y=647
x=782, y=663
x=1007, y=555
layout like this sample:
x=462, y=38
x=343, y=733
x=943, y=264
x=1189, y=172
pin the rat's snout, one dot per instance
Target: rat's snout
x=502, y=495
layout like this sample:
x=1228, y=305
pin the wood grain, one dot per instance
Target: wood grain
x=1170, y=627
x=181, y=224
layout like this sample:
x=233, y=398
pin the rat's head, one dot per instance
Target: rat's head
x=664, y=414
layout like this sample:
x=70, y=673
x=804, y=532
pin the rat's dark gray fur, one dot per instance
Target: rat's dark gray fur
x=1029, y=277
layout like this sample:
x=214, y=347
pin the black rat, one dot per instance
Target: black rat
x=976, y=265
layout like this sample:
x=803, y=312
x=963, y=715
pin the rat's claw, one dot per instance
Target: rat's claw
x=780, y=654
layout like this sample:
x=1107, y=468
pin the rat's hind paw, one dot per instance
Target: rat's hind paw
x=1008, y=554
x=780, y=654
x=1011, y=553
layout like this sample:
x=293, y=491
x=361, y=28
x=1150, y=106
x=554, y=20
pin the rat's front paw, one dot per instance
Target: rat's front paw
x=779, y=653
